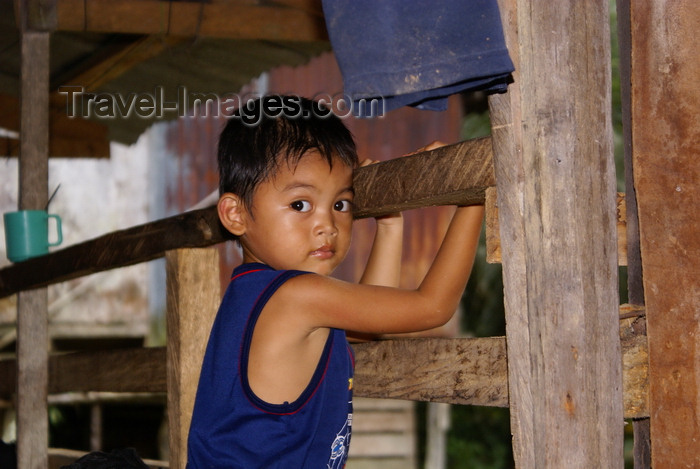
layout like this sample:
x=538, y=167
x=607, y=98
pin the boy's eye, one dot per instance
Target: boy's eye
x=342, y=206
x=300, y=206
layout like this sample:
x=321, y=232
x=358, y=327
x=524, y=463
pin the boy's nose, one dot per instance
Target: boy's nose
x=325, y=225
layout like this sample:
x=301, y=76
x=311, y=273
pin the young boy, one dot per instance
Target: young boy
x=276, y=384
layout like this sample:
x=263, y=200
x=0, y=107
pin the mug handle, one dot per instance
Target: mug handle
x=58, y=230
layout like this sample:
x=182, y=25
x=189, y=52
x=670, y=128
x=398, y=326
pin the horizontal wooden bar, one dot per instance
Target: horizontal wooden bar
x=455, y=174
x=118, y=249
x=300, y=20
x=452, y=175
x=464, y=371
x=123, y=370
x=458, y=371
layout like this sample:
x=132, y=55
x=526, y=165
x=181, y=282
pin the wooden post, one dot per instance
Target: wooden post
x=635, y=286
x=193, y=299
x=32, y=305
x=666, y=145
x=552, y=137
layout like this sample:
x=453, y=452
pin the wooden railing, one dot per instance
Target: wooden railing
x=453, y=174
x=459, y=371
x=456, y=174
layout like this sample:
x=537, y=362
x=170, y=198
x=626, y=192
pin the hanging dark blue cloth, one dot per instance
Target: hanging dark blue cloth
x=417, y=52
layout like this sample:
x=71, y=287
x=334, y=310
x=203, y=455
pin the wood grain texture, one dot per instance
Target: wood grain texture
x=32, y=306
x=458, y=371
x=292, y=21
x=555, y=175
x=127, y=370
x=666, y=144
x=117, y=249
x=192, y=302
x=493, y=237
x=454, y=174
x=396, y=369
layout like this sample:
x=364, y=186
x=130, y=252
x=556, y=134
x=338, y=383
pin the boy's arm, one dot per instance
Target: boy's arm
x=327, y=302
x=384, y=263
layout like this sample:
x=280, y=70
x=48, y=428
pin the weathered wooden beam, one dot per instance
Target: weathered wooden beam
x=300, y=20
x=635, y=285
x=69, y=134
x=32, y=306
x=493, y=236
x=458, y=371
x=553, y=157
x=118, y=249
x=437, y=184
x=111, y=64
x=36, y=15
x=125, y=370
x=192, y=302
x=455, y=371
x=665, y=147
x=455, y=174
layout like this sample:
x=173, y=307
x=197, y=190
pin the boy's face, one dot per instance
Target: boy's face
x=301, y=218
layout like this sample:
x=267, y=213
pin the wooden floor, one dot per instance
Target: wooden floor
x=383, y=434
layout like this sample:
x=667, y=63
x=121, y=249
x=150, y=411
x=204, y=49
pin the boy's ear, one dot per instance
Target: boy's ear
x=232, y=213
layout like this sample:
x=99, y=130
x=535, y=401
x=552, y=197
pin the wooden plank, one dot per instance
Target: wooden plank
x=124, y=371
x=111, y=64
x=666, y=144
x=383, y=445
x=127, y=370
x=383, y=429
x=465, y=380
x=556, y=197
x=635, y=286
x=192, y=302
x=142, y=243
x=493, y=237
x=506, y=137
x=32, y=306
x=201, y=228
x=295, y=21
x=455, y=174
x=75, y=136
x=458, y=371
x=36, y=15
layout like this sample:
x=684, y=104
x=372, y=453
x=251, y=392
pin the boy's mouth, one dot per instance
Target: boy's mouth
x=324, y=252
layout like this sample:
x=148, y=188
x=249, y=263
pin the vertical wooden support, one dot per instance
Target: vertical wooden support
x=193, y=299
x=552, y=137
x=32, y=305
x=666, y=146
x=635, y=286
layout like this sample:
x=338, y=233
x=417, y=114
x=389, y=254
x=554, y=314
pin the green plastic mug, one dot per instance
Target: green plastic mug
x=27, y=234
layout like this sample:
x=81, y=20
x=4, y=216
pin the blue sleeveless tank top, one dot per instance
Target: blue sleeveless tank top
x=232, y=428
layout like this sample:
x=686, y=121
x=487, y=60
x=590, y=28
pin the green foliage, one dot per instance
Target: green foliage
x=484, y=441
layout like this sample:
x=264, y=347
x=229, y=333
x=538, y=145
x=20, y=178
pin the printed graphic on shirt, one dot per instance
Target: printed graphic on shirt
x=339, y=448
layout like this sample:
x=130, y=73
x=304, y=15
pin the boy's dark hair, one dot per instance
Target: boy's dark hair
x=274, y=130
